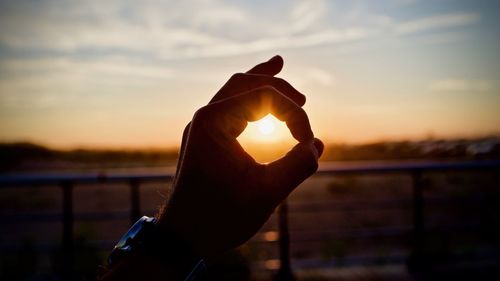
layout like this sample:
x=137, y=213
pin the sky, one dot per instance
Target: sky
x=132, y=73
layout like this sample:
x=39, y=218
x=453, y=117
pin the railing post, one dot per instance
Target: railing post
x=285, y=270
x=67, y=234
x=417, y=258
x=418, y=205
x=135, y=201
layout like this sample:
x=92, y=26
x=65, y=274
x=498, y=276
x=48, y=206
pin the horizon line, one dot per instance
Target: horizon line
x=256, y=143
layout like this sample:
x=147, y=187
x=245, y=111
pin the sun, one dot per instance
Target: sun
x=266, y=125
x=267, y=129
x=266, y=139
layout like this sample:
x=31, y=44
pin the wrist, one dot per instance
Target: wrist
x=151, y=251
x=169, y=248
x=181, y=224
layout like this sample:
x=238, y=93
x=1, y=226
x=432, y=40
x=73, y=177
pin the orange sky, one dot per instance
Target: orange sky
x=114, y=75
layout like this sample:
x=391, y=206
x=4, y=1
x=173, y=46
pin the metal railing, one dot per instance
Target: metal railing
x=413, y=169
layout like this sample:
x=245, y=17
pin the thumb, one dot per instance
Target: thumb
x=286, y=173
x=271, y=67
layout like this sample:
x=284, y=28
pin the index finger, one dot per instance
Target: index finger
x=242, y=82
x=256, y=103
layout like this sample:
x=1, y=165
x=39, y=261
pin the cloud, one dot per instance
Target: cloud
x=268, y=44
x=318, y=75
x=48, y=82
x=197, y=28
x=147, y=27
x=441, y=37
x=168, y=30
x=312, y=78
x=110, y=66
x=460, y=85
x=437, y=22
x=405, y=2
x=306, y=14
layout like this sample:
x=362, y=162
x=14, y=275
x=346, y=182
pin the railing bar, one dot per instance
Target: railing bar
x=403, y=167
x=67, y=235
x=418, y=204
x=135, y=205
x=340, y=168
x=417, y=260
x=7, y=181
x=285, y=270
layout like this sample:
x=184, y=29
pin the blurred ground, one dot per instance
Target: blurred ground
x=356, y=227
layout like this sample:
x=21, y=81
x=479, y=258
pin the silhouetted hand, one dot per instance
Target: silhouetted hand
x=221, y=195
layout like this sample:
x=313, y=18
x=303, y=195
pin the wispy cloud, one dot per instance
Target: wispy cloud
x=56, y=81
x=195, y=28
x=306, y=14
x=437, y=22
x=460, y=85
x=121, y=66
x=312, y=77
x=268, y=44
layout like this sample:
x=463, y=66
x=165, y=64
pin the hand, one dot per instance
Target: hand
x=221, y=195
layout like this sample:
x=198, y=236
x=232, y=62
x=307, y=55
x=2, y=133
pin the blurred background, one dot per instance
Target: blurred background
x=94, y=96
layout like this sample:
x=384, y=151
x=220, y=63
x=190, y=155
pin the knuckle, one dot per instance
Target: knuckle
x=313, y=166
x=203, y=113
x=312, y=160
x=186, y=129
x=308, y=159
x=204, y=119
x=281, y=81
x=310, y=167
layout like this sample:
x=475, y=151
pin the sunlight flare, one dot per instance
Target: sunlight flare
x=267, y=139
x=266, y=125
x=266, y=129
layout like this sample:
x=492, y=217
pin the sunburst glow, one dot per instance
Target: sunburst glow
x=266, y=139
x=267, y=129
x=267, y=125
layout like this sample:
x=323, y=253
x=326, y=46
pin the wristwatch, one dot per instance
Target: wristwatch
x=143, y=237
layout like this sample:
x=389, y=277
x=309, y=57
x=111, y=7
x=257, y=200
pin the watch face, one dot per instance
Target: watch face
x=133, y=232
x=131, y=239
